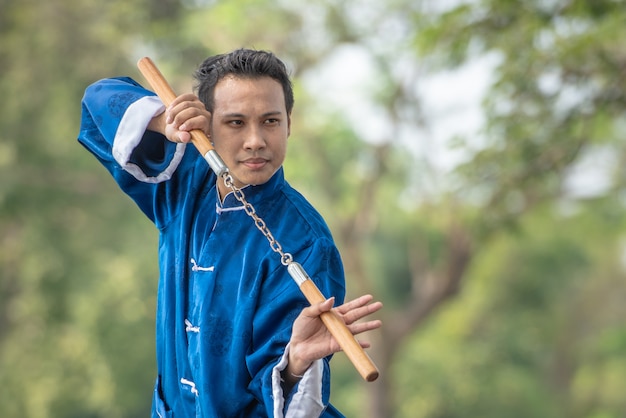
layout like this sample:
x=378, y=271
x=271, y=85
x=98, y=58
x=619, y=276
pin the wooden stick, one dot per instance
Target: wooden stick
x=332, y=321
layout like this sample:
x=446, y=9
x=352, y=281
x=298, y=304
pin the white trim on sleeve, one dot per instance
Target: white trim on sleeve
x=307, y=401
x=130, y=132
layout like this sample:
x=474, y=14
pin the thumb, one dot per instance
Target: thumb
x=321, y=307
x=183, y=136
x=327, y=305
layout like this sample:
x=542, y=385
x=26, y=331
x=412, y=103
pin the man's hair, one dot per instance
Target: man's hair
x=242, y=63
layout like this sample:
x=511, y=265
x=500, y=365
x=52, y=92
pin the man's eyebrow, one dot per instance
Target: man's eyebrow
x=232, y=115
x=241, y=115
x=272, y=113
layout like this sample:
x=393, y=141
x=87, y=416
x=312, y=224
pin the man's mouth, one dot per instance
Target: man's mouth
x=254, y=163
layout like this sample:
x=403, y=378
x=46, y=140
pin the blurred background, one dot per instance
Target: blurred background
x=469, y=157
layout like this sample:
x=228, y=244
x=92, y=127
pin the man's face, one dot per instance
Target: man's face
x=249, y=128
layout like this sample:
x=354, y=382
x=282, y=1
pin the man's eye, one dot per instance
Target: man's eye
x=271, y=121
x=236, y=122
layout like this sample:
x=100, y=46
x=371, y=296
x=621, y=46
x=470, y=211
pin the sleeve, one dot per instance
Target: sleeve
x=275, y=317
x=115, y=115
x=306, y=399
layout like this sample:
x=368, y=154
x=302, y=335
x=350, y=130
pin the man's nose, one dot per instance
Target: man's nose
x=254, y=139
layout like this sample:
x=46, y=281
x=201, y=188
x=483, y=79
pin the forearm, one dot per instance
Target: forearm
x=307, y=396
x=294, y=371
x=157, y=124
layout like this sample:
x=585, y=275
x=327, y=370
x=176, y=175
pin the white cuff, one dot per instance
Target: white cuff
x=307, y=401
x=130, y=132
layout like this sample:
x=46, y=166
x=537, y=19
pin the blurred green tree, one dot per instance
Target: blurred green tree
x=535, y=264
x=74, y=292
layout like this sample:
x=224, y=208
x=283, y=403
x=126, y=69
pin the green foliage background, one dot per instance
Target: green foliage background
x=534, y=327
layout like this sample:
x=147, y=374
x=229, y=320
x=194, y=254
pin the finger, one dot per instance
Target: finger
x=174, y=109
x=354, y=303
x=318, y=308
x=186, y=97
x=363, y=344
x=181, y=110
x=199, y=122
x=182, y=119
x=359, y=313
x=361, y=327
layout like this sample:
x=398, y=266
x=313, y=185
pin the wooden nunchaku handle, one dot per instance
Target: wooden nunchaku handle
x=332, y=321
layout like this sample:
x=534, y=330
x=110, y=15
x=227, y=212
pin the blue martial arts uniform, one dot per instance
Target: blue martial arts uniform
x=225, y=304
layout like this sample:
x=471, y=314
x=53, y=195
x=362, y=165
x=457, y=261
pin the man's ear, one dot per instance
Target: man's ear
x=208, y=134
x=288, y=124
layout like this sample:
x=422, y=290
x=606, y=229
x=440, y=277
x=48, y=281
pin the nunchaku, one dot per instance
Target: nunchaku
x=335, y=325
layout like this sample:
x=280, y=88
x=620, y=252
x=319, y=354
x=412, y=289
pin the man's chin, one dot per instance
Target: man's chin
x=254, y=179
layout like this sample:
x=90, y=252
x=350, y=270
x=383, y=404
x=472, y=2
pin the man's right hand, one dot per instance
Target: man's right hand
x=184, y=114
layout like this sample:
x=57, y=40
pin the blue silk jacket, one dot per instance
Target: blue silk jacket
x=225, y=302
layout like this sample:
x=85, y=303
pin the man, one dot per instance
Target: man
x=235, y=337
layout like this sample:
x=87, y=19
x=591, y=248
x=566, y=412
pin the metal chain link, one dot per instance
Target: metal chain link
x=285, y=258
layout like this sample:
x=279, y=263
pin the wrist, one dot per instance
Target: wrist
x=296, y=366
x=291, y=375
x=157, y=123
